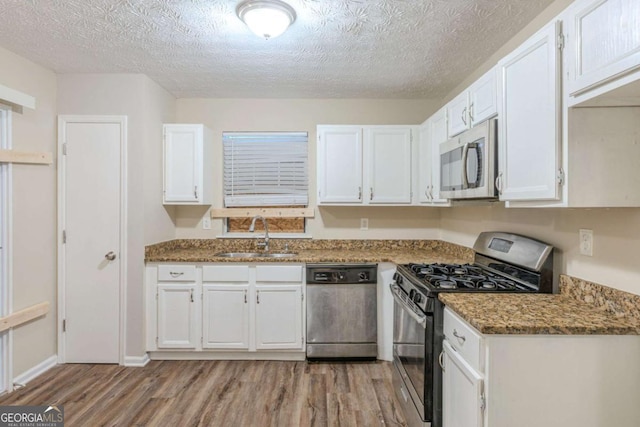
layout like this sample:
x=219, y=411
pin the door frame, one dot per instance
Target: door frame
x=63, y=120
x=6, y=260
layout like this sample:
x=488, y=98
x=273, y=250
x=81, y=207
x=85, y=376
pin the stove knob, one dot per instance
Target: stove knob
x=363, y=276
x=397, y=278
x=341, y=276
x=417, y=298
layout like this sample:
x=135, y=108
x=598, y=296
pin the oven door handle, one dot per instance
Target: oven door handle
x=406, y=304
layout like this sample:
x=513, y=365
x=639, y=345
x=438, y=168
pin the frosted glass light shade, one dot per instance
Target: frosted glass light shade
x=266, y=18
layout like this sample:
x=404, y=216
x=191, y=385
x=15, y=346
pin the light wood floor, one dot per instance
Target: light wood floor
x=218, y=393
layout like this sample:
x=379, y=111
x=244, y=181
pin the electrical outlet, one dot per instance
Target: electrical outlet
x=206, y=221
x=364, y=223
x=586, y=242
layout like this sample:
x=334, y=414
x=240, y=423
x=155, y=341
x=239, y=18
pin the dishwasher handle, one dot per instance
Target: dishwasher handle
x=408, y=305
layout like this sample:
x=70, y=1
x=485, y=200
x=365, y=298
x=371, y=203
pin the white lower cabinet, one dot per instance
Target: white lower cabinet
x=225, y=311
x=463, y=398
x=176, y=316
x=278, y=317
x=219, y=311
x=538, y=380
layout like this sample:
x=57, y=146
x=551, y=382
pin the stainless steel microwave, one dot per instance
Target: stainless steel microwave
x=468, y=163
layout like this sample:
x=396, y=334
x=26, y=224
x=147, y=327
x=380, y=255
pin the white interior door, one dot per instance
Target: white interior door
x=5, y=303
x=91, y=250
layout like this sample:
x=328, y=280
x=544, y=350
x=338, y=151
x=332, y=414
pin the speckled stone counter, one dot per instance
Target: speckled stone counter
x=312, y=251
x=581, y=308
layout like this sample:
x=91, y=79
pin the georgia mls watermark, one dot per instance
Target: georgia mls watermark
x=31, y=416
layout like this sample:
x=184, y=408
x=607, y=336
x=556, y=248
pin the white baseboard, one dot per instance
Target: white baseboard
x=37, y=370
x=137, y=361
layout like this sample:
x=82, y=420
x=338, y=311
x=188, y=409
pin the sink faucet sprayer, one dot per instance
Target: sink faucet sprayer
x=252, y=227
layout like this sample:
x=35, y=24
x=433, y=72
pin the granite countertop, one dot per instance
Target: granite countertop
x=316, y=251
x=567, y=313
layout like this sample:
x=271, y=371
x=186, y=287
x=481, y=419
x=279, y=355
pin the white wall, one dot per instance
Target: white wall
x=304, y=115
x=34, y=214
x=147, y=106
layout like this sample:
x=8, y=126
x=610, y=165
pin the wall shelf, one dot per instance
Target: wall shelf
x=26, y=157
x=23, y=316
x=265, y=212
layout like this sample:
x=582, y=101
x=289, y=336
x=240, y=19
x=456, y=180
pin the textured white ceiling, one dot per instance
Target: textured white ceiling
x=335, y=49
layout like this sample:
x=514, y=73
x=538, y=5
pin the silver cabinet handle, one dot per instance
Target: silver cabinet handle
x=191, y=294
x=431, y=192
x=462, y=338
x=176, y=274
x=499, y=183
x=195, y=191
x=257, y=297
x=370, y=193
x=110, y=255
x=245, y=296
x=464, y=113
x=441, y=360
x=426, y=193
x=471, y=112
x=359, y=193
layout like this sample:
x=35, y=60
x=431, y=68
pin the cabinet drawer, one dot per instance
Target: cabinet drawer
x=279, y=273
x=463, y=338
x=177, y=273
x=225, y=273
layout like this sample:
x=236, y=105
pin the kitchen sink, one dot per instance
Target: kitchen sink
x=255, y=255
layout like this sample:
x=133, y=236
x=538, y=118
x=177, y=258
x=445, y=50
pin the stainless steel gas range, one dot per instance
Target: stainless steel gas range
x=503, y=262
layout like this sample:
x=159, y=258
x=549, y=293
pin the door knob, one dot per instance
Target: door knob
x=110, y=256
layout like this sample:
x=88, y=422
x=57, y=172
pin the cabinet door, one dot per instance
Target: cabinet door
x=458, y=114
x=438, y=136
x=225, y=312
x=603, y=42
x=183, y=146
x=424, y=163
x=483, y=98
x=339, y=164
x=176, y=316
x=529, y=125
x=278, y=317
x=462, y=392
x=389, y=159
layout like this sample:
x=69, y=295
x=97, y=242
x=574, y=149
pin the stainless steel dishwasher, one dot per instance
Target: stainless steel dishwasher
x=342, y=311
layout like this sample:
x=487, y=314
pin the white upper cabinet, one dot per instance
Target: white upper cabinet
x=529, y=122
x=389, y=163
x=475, y=105
x=364, y=165
x=187, y=168
x=603, y=41
x=339, y=164
x=432, y=133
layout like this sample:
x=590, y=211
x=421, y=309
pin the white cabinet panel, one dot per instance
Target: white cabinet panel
x=603, y=41
x=339, y=164
x=458, y=114
x=483, y=98
x=225, y=316
x=432, y=133
x=462, y=392
x=389, y=160
x=177, y=316
x=186, y=165
x=529, y=125
x=278, y=317
x=364, y=165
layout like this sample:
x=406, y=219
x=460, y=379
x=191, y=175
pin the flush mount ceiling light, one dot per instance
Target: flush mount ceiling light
x=266, y=18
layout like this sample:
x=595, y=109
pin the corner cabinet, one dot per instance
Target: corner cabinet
x=538, y=380
x=187, y=161
x=529, y=128
x=364, y=165
x=219, y=311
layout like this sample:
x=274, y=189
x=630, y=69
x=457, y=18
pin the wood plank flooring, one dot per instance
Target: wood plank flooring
x=218, y=393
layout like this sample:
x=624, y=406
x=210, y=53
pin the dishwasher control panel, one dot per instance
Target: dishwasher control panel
x=342, y=273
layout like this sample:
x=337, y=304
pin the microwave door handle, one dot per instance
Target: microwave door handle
x=465, y=158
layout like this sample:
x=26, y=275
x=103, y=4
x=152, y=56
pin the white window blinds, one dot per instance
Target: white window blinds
x=265, y=169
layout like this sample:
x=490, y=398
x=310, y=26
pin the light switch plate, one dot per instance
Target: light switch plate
x=364, y=223
x=206, y=221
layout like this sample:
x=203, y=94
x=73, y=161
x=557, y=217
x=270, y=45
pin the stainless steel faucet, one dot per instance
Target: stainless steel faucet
x=252, y=228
